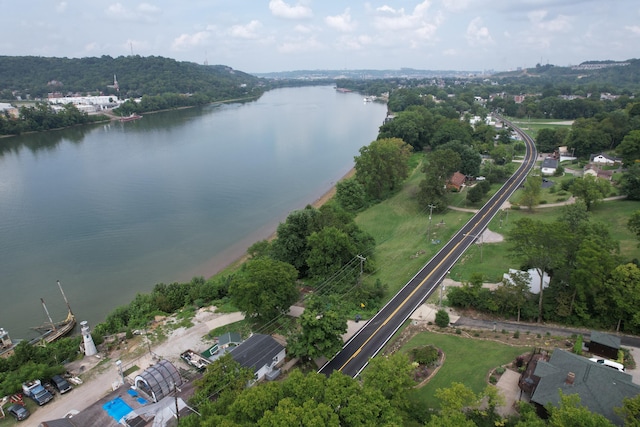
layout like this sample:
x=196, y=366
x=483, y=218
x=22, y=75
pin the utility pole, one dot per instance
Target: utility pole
x=362, y=260
x=429, y=227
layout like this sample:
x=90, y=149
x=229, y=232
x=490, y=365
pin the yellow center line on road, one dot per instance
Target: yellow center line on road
x=393, y=314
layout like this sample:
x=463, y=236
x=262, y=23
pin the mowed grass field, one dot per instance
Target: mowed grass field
x=400, y=227
x=467, y=361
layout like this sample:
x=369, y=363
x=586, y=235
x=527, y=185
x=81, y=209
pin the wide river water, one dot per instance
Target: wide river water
x=112, y=209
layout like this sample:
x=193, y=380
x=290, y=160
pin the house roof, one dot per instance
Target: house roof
x=457, y=179
x=606, y=156
x=256, y=351
x=605, y=339
x=601, y=389
x=549, y=163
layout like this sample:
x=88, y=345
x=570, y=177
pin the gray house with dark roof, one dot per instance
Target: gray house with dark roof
x=261, y=353
x=601, y=389
x=604, y=345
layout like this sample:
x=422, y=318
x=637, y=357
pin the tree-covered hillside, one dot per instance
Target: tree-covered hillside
x=137, y=76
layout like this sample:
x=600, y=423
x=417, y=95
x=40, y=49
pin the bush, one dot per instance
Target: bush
x=577, y=347
x=442, y=318
x=425, y=355
x=493, y=380
x=516, y=334
x=500, y=370
x=458, y=331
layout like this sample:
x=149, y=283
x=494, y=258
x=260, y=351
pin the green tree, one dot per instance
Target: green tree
x=321, y=328
x=440, y=165
x=351, y=195
x=537, y=244
x=224, y=379
x=330, y=249
x=590, y=189
x=630, y=185
x=265, y=289
x=291, y=245
x=392, y=376
x=629, y=148
x=630, y=411
x=470, y=159
x=624, y=291
x=634, y=223
x=382, y=166
x=513, y=293
x=442, y=318
x=570, y=413
x=531, y=191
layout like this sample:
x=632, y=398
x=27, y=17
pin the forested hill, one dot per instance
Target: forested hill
x=137, y=76
x=619, y=74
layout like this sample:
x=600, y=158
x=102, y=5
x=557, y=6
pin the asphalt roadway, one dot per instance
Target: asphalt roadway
x=372, y=337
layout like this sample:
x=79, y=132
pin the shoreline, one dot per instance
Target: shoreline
x=237, y=254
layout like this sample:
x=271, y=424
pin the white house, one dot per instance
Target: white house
x=261, y=353
x=604, y=159
x=549, y=166
x=534, y=279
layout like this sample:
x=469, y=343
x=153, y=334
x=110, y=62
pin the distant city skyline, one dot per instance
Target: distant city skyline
x=262, y=36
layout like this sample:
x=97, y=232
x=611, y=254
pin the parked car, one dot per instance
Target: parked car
x=608, y=363
x=18, y=412
x=61, y=384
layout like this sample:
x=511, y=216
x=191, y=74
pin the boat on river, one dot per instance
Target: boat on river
x=130, y=117
x=49, y=332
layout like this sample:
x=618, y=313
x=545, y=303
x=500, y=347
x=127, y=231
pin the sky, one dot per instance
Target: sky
x=259, y=36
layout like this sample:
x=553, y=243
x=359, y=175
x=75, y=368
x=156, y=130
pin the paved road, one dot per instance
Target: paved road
x=365, y=344
x=627, y=340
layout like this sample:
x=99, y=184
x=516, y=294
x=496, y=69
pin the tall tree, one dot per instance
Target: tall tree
x=590, y=189
x=440, y=165
x=531, y=191
x=391, y=375
x=265, y=289
x=630, y=185
x=634, y=223
x=322, y=325
x=629, y=149
x=538, y=245
x=382, y=166
x=624, y=286
x=291, y=245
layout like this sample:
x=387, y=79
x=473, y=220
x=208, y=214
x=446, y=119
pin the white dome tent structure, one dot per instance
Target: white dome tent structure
x=159, y=380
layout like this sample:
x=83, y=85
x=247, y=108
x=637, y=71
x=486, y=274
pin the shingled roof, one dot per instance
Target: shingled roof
x=601, y=389
x=256, y=351
x=605, y=339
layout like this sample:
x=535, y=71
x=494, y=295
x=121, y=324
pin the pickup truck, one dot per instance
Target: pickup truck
x=37, y=392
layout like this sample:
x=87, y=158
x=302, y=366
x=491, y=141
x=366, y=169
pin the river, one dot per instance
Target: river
x=113, y=209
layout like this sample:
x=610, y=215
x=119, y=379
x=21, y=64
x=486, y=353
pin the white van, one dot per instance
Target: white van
x=608, y=363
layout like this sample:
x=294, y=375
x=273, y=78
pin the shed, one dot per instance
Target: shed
x=601, y=389
x=261, y=353
x=604, y=345
x=159, y=380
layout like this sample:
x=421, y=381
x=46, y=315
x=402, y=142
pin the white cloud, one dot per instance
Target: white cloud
x=390, y=19
x=301, y=45
x=455, y=5
x=305, y=29
x=341, y=22
x=249, y=31
x=187, y=41
x=635, y=29
x=144, y=12
x=561, y=23
x=352, y=43
x=450, y=52
x=477, y=34
x=283, y=10
x=61, y=7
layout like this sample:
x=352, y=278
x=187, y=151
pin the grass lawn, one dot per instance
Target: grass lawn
x=467, y=361
x=532, y=126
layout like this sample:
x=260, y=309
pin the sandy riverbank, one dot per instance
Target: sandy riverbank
x=237, y=254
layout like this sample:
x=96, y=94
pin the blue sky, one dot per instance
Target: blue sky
x=281, y=35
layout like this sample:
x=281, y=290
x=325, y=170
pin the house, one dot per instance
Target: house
x=549, y=166
x=596, y=171
x=601, y=389
x=604, y=345
x=456, y=182
x=534, y=279
x=604, y=159
x=261, y=353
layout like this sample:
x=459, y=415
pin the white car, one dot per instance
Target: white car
x=608, y=363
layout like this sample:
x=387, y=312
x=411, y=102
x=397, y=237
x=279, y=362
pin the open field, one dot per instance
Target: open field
x=532, y=126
